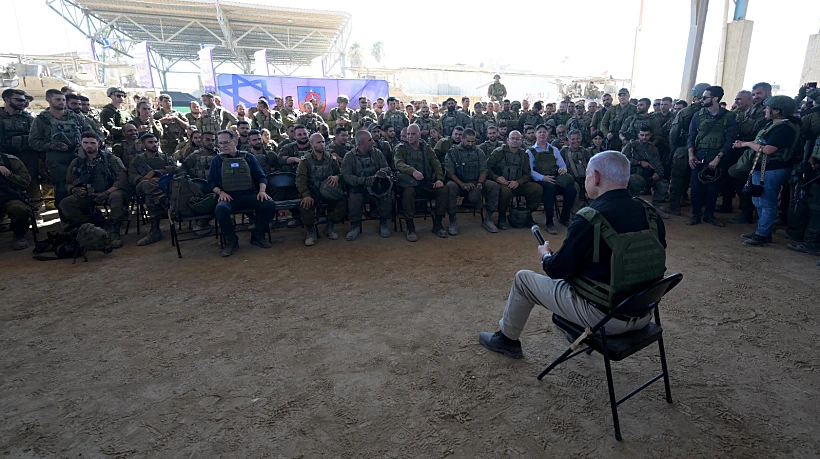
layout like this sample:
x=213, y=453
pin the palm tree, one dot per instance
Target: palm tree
x=355, y=55
x=377, y=52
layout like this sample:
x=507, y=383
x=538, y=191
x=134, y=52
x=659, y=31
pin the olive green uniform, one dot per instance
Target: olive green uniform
x=488, y=146
x=14, y=132
x=311, y=121
x=272, y=122
x=172, y=132
x=576, y=161
x=424, y=160
x=510, y=116
x=216, y=119
x=127, y=151
x=152, y=126
x=442, y=147
x=632, y=125
x=513, y=166
x=395, y=118
x=338, y=151
x=310, y=175
x=362, y=117
x=496, y=92
x=469, y=165
x=337, y=114
x=357, y=171
x=155, y=198
x=10, y=198
x=292, y=150
x=113, y=119
x=678, y=138
x=449, y=120
x=198, y=163
x=640, y=177
x=613, y=120
x=480, y=125
x=581, y=124
x=426, y=123
x=96, y=176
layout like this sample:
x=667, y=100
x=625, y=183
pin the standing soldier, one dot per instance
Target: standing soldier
x=364, y=116
x=114, y=116
x=606, y=103
x=466, y=167
x=265, y=118
x=393, y=117
x=145, y=121
x=420, y=174
x=14, y=178
x=712, y=132
x=318, y=181
x=56, y=132
x=426, y=123
x=562, y=115
x=173, y=124
x=95, y=177
x=614, y=118
x=15, y=126
x=72, y=102
x=532, y=117
x=580, y=122
x=361, y=169
x=214, y=118
x=452, y=118
x=678, y=140
x=509, y=166
x=633, y=124
x=496, y=91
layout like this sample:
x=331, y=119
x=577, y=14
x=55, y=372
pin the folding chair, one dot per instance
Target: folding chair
x=32, y=220
x=136, y=205
x=618, y=347
x=398, y=207
x=282, y=181
x=175, y=240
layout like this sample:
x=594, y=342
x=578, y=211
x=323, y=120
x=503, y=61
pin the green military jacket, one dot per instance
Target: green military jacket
x=499, y=159
x=632, y=125
x=116, y=176
x=18, y=180
x=615, y=116
x=433, y=164
x=113, y=119
x=142, y=164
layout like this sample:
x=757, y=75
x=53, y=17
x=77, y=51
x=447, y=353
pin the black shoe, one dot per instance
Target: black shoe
x=261, y=242
x=694, y=221
x=801, y=247
x=741, y=219
x=230, y=248
x=713, y=221
x=550, y=227
x=786, y=234
x=747, y=236
x=497, y=342
x=757, y=240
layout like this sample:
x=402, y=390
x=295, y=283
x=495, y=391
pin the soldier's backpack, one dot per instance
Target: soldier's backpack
x=182, y=189
x=73, y=243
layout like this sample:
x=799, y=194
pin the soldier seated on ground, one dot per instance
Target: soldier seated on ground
x=318, y=181
x=238, y=180
x=646, y=168
x=95, y=177
x=14, y=179
x=466, y=167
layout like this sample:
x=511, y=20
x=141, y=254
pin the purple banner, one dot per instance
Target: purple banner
x=142, y=62
x=247, y=89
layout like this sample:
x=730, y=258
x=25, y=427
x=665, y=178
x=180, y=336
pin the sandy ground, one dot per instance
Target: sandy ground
x=368, y=350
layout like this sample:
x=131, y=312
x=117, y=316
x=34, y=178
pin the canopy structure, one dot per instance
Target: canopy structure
x=177, y=29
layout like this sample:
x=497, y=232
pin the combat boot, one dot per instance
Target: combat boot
x=438, y=228
x=154, y=235
x=311, y=236
x=355, y=231
x=384, y=230
x=330, y=233
x=116, y=238
x=502, y=221
x=452, y=230
x=487, y=224
x=411, y=231
x=20, y=242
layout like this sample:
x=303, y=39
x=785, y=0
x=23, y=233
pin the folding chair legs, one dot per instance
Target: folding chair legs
x=568, y=354
x=612, y=403
x=665, y=372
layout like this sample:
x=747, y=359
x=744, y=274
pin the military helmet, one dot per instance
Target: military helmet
x=785, y=104
x=496, y=76
x=515, y=104
x=331, y=192
x=637, y=183
x=342, y=98
x=708, y=175
x=380, y=187
x=697, y=91
x=518, y=217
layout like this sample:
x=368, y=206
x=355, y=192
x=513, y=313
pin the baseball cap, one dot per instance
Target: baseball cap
x=113, y=90
x=623, y=91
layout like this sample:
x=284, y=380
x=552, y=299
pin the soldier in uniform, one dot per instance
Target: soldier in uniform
x=194, y=116
x=606, y=103
x=15, y=126
x=309, y=119
x=750, y=120
x=633, y=124
x=173, y=124
x=678, y=141
x=509, y=166
x=712, y=132
x=14, y=178
x=265, y=118
x=95, y=177
x=646, y=168
x=72, y=102
x=114, y=116
x=436, y=111
x=452, y=118
x=562, y=115
x=56, y=132
x=548, y=170
x=466, y=167
x=341, y=115
x=361, y=167
x=240, y=183
x=89, y=111
x=427, y=122
x=364, y=116
x=529, y=136
x=393, y=117
x=198, y=163
x=614, y=118
x=549, y=110
x=531, y=117
x=496, y=91
x=291, y=153
x=580, y=122
x=267, y=160
x=243, y=128
x=340, y=145
x=420, y=174
x=214, y=117
x=410, y=111
x=576, y=157
x=143, y=174
x=493, y=141
x=465, y=106
x=318, y=171
x=130, y=146
x=561, y=139
x=446, y=143
x=145, y=121
x=481, y=122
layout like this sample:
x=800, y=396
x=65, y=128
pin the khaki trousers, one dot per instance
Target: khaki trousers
x=530, y=288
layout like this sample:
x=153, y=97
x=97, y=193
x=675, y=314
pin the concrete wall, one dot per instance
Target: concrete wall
x=811, y=64
x=738, y=39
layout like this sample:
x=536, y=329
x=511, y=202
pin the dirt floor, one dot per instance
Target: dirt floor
x=368, y=350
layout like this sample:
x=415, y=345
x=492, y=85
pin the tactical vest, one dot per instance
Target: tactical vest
x=366, y=166
x=513, y=165
x=685, y=118
x=98, y=175
x=507, y=115
x=561, y=118
x=318, y=173
x=236, y=173
x=417, y=159
x=425, y=124
x=480, y=127
x=262, y=159
x=171, y=130
x=202, y=165
x=212, y=121
x=66, y=130
x=393, y=119
x=545, y=162
x=638, y=258
x=449, y=122
x=621, y=113
x=634, y=127
x=711, y=130
x=468, y=167
x=292, y=151
x=497, y=89
x=311, y=122
x=15, y=132
x=533, y=119
x=785, y=155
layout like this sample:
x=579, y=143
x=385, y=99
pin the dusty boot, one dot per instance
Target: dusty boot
x=384, y=230
x=154, y=235
x=311, y=236
x=203, y=228
x=295, y=222
x=452, y=230
x=411, y=231
x=502, y=221
x=438, y=229
x=487, y=224
x=355, y=231
x=116, y=239
x=330, y=232
x=20, y=242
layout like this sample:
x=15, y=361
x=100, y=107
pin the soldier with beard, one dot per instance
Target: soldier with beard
x=614, y=118
x=452, y=118
x=509, y=166
x=15, y=126
x=320, y=170
x=606, y=103
x=393, y=117
x=562, y=115
x=493, y=141
x=265, y=118
x=340, y=145
x=72, y=102
x=198, y=163
x=144, y=174
x=364, y=116
x=507, y=114
x=173, y=124
x=532, y=117
x=242, y=129
x=291, y=154
x=265, y=157
x=678, y=140
x=633, y=124
x=466, y=167
x=446, y=143
x=130, y=147
x=361, y=167
x=426, y=123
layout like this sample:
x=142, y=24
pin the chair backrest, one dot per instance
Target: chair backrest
x=645, y=300
x=202, y=184
x=282, y=180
